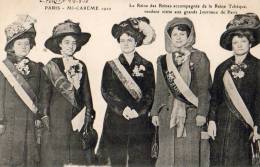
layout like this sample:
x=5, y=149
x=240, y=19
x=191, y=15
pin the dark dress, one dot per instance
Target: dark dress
x=120, y=136
x=231, y=146
x=62, y=145
x=18, y=145
x=190, y=150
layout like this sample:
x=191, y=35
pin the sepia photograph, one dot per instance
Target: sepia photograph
x=133, y=83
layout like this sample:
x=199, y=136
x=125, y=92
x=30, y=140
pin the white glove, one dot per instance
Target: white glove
x=133, y=114
x=2, y=129
x=155, y=120
x=212, y=129
x=126, y=113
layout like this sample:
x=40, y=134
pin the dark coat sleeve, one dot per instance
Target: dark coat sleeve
x=148, y=91
x=202, y=72
x=108, y=90
x=257, y=98
x=216, y=94
x=45, y=95
x=161, y=90
x=2, y=98
x=87, y=94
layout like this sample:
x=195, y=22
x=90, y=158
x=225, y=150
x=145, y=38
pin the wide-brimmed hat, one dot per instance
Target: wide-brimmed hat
x=139, y=28
x=248, y=21
x=22, y=27
x=63, y=29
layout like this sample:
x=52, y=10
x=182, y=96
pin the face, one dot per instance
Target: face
x=240, y=45
x=68, y=45
x=179, y=38
x=22, y=47
x=127, y=43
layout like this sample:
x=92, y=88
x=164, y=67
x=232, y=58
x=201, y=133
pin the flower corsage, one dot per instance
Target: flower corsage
x=74, y=73
x=138, y=71
x=237, y=70
x=23, y=67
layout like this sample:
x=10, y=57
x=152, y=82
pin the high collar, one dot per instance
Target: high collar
x=15, y=59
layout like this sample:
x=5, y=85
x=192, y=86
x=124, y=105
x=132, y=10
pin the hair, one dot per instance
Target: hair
x=129, y=33
x=242, y=33
x=31, y=38
x=181, y=27
x=127, y=27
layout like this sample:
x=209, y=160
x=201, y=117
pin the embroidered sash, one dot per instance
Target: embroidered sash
x=20, y=85
x=235, y=101
x=60, y=82
x=180, y=85
x=126, y=79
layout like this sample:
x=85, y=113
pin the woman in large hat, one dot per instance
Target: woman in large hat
x=181, y=101
x=128, y=89
x=67, y=94
x=20, y=81
x=235, y=95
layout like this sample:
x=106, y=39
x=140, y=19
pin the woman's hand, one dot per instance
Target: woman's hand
x=256, y=135
x=200, y=120
x=2, y=129
x=212, y=129
x=126, y=113
x=133, y=114
x=155, y=120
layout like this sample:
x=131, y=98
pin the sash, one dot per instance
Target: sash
x=20, y=85
x=180, y=83
x=60, y=82
x=126, y=79
x=236, y=101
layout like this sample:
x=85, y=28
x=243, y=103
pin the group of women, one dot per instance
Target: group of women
x=200, y=123
x=38, y=102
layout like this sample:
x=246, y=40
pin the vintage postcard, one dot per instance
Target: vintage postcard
x=129, y=83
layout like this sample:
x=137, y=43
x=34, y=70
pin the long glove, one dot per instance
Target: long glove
x=89, y=120
x=89, y=135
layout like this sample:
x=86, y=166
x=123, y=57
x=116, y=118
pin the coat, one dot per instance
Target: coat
x=18, y=145
x=231, y=146
x=186, y=151
x=62, y=145
x=117, y=130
